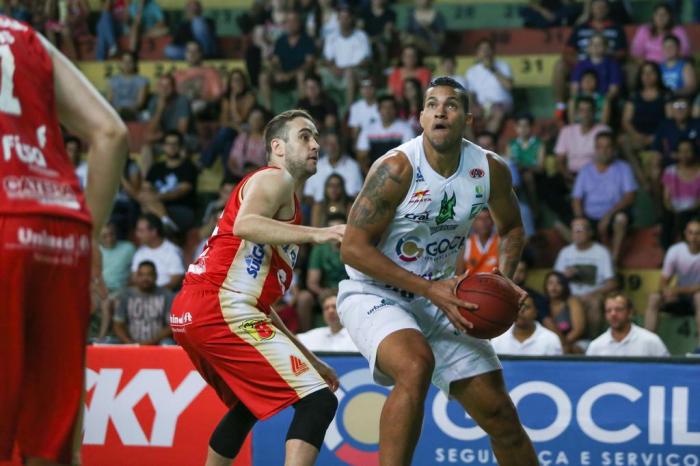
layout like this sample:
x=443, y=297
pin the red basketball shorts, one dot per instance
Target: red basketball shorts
x=238, y=351
x=44, y=311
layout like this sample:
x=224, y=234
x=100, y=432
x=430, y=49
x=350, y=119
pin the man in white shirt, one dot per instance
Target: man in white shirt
x=334, y=337
x=333, y=161
x=365, y=111
x=624, y=338
x=682, y=262
x=490, y=82
x=527, y=336
x=588, y=266
x=378, y=138
x=155, y=248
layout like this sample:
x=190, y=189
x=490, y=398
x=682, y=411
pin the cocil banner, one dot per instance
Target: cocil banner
x=577, y=412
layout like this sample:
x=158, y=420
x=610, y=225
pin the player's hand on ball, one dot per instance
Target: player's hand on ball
x=327, y=372
x=442, y=294
x=522, y=294
x=332, y=234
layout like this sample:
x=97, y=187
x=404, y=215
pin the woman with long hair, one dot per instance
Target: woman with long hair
x=647, y=44
x=412, y=103
x=681, y=191
x=566, y=316
x=335, y=201
x=409, y=66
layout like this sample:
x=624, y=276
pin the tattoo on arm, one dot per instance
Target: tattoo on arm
x=510, y=249
x=372, y=204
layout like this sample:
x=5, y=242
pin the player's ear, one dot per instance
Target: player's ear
x=277, y=146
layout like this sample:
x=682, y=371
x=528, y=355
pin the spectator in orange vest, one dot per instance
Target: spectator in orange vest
x=481, y=248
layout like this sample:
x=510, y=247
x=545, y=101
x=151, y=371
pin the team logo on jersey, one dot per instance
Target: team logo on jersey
x=478, y=192
x=421, y=196
x=259, y=329
x=418, y=218
x=447, y=209
x=253, y=261
x=477, y=173
x=419, y=176
x=298, y=366
x=408, y=249
x=476, y=208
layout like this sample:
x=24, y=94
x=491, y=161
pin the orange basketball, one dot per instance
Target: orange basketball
x=497, y=301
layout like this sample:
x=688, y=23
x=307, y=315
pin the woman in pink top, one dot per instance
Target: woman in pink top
x=248, y=151
x=647, y=43
x=681, y=184
x=410, y=66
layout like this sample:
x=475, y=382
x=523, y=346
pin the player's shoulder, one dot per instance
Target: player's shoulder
x=394, y=164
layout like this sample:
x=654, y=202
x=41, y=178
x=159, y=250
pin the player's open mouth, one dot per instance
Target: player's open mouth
x=440, y=127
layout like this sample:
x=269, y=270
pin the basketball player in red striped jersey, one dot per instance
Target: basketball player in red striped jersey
x=223, y=316
x=48, y=232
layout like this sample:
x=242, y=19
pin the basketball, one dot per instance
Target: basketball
x=497, y=301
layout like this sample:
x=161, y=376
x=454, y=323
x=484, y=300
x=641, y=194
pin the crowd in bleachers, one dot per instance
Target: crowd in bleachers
x=621, y=143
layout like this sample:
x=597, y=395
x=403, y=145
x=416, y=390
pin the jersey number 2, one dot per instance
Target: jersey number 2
x=8, y=102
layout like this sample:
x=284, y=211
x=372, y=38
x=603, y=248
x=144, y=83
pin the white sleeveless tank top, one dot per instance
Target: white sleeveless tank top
x=432, y=222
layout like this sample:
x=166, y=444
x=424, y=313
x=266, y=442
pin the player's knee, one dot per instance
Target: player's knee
x=502, y=423
x=313, y=414
x=416, y=372
x=229, y=435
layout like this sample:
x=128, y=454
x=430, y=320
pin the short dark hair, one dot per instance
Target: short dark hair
x=70, y=138
x=619, y=294
x=177, y=134
x=313, y=77
x=277, y=127
x=154, y=222
x=605, y=134
x=386, y=98
x=590, y=72
x=484, y=40
x=451, y=82
x=525, y=116
x=325, y=294
x=587, y=99
x=674, y=38
x=687, y=141
x=488, y=134
x=148, y=263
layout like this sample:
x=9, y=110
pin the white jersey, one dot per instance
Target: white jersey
x=432, y=222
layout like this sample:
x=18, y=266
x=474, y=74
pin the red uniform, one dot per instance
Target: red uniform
x=45, y=256
x=220, y=319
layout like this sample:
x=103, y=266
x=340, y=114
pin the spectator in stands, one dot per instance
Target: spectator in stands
x=167, y=257
x=109, y=27
x=365, y=111
x=322, y=20
x=575, y=145
x=379, y=137
x=677, y=73
x=588, y=87
x=318, y=103
x=212, y=212
x=335, y=201
x=201, y=84
x=449, y=68
x=346, y=56
x=624, y=337
x=170, y=187
x=619, y=11
x=540, y=14
x=679, y=287
x=520, y=279
x=249, y=146
x=69, y=20
x=588, y=267
x=604, y=193
x=566, y=316
x=127, y=91
x=292, y=57
x=490, y=82
x=608, y=71
x=142, y=315
x=647, y=44
x=526, y=151
x=409, y=66
x=527, y=337
x=681, y=185
x=126, y=208
x=577, y=44
x=334, y=337
x=326, y=269
x=412, y=104
x=146, y=17
x=15, y=9
x=74, y=150
x=481, y=249
x=378, y=20
x=426, y=28
x=669, y=133
x=333, y=161
x=194, y=28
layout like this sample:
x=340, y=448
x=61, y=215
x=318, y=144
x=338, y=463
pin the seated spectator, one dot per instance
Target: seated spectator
x=346, y=56
x=481, y=249
x=426, y=28
x=320, y=105
x=566, y=316
x=606, y=67
x=155, y=248
x=292, y=57
x=378, y=20
x=575, y=145
x=109, y=27
x=411, y=104
x=540, y=14
x=326, y=269
x=588, y=87
x=194, y=28
x=527, y=337
x=624, y=337
x=378, y=138
x=201, y=84
x=322, y=20
x=334, y=337
x=520, y=277
x=681, y=185
x=490, y=82
x=74, y=150
x=588, y=267
x=647, y=44
x=449, y=68
x=248, y=151
x=335, y=201
x=145, y=17
x=365, y=111
x=604, y=193
x=409, y=66
x=678, y=74
x=126, y=208
x=682, y=266
x=127, y=91
x=333, y=161
x=527, y=153
x=69, y=20
x=142, y=314
x=170, y=187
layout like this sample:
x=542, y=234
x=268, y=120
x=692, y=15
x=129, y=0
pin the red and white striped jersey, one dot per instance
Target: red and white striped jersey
x=247, y=272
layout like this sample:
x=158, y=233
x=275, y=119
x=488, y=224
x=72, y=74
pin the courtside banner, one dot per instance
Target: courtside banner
x=577, y=412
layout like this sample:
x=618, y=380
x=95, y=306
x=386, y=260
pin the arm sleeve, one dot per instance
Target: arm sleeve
x=561, y=147
x=638, y=41
x=559, y=264
x=669, y=268
x=363, y=140
x=629, y=183
x=578, y=191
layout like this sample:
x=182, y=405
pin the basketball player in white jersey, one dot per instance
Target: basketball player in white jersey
x=401, y=247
